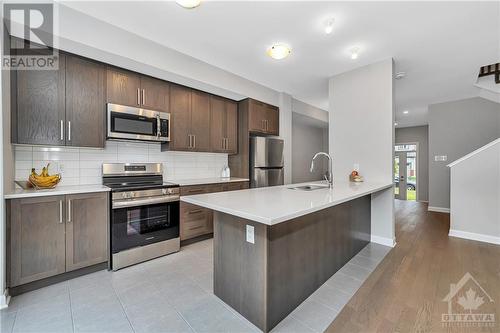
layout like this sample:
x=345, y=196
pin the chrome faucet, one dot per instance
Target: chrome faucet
x=329, y=175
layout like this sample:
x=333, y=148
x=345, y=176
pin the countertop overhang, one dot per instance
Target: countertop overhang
x=273, y=205
x=59, y=190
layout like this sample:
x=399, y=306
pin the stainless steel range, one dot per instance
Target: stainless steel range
x=144, y=212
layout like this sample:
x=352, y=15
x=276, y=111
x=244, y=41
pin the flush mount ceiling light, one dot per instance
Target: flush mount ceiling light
x=329, y=26
x=406, y=111
x=354, y=53
x=395, y=124
x=189, y=4
x=400, y=75
x=279, y=51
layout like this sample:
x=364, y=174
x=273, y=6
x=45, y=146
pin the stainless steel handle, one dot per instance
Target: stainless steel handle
x=60, y=211
x=69, y=210
x=194, y=141
x=144, y=201
x=158, y=126
x=266, y=122
x=190, y=141
x=138, y=96
x=62, y=130
x=143, y=96
x=196, y=211
x=69, y=130
x=223, y=143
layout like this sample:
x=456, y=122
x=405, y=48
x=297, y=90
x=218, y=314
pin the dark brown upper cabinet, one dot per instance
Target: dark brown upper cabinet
x=85, y=103
x=61, y=107
x=263, y=118
x=223, y=125
x=190, y=116
x=132, y=89
x=38, y=106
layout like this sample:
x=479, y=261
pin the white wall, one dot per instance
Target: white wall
x=308, y=138
x=361, y=132
x=475, y=196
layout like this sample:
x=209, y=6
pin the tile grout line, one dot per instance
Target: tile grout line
x=123, y=308
x=71, y=309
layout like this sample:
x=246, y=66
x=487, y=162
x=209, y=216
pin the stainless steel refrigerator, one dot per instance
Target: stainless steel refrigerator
x=266, y=161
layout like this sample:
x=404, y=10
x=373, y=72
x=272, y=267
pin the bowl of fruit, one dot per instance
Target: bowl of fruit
x=43, y=180
x=355, y=177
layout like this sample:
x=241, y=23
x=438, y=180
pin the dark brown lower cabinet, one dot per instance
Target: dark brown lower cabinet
x=86, y=230
x=37, y=241
x=197, y=221
x=56, y=234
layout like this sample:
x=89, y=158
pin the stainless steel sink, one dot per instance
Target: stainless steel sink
x=309, y=187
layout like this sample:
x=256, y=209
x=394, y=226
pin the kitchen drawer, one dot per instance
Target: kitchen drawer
x=195, y=221
x=196, y=189
x=235, y=186
x=215, y=188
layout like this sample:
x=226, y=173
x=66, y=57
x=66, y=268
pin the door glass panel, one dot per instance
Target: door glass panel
x=411, y=176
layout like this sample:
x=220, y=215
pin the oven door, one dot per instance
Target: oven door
x=142, y=225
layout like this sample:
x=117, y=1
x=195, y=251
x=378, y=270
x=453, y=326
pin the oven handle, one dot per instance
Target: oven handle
x=144, y=201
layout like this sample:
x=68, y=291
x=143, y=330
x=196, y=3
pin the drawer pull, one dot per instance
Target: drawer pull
x=196, y=191
x=196, y=211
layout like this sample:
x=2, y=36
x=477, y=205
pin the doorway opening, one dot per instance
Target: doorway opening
x=405, y=171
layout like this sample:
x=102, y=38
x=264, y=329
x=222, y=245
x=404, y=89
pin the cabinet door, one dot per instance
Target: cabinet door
x=86, y=230
x=217, y=123
x=231, y=127
x=123, y=87
x=256, y=117
x=272, y=118
x=180, y=113
x=200, y=120
x=39, y=98
x=36, y=238
x=154, y=94
x=85, y=105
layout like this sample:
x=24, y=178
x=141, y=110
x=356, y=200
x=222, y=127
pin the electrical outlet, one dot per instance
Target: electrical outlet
x=250, y=234
x=440, y=158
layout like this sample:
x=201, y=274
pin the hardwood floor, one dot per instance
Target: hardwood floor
x=406, y=291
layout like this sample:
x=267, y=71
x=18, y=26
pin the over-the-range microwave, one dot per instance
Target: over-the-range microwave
x=131, y=123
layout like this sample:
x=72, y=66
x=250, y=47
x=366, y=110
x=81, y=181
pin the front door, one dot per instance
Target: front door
x=400, y=175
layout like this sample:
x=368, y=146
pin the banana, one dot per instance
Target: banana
x=43, y=179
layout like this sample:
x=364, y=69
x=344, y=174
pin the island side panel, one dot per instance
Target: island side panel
x=307, y=251
x=240, y=267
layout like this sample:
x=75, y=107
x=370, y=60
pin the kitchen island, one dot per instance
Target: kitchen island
x=274, y=246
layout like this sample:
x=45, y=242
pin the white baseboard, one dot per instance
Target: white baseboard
x=383, y=241
x=474, y=236
x=438, y=209
x=4, y=300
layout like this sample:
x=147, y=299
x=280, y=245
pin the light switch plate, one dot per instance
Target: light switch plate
x=250, y=234
x=440, y=158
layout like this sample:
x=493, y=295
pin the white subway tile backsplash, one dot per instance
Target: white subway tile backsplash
x=83, y=165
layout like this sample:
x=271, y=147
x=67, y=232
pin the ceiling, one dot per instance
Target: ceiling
x=440, y=45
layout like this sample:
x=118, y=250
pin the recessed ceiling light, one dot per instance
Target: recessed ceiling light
x=395, y=124
x=400, y=75
x=354, y=53
x=279, y=51
x=189, y=4
x=329, y=26
x=406, y=111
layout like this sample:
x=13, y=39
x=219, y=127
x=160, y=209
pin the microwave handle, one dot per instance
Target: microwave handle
x=158, y=126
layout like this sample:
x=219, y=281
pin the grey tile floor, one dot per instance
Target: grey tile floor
x=171, y=294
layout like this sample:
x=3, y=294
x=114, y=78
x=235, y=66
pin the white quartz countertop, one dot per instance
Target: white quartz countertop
x=204, y=181
x=273, y=205
x=59, y=190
